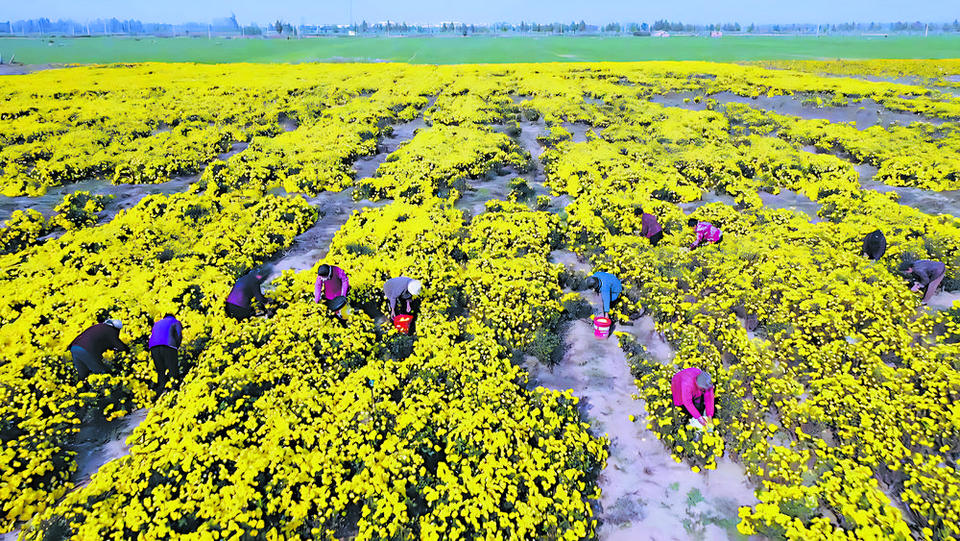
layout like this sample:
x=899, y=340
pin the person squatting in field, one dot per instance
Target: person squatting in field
x=88, y=347
x=649, y=226
x=398, y=289
x=706, y=233
x=239, y=303
x=874, y=245
x=692, y=391
x=924, y=273
x=609, y=288
x=332, y=284
x=165, y=340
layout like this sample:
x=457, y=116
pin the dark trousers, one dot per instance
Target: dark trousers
x=165, y=362
x=401, y=307
x=654, y=239
x=697, y=403
x=239, y=312
x=85, y=363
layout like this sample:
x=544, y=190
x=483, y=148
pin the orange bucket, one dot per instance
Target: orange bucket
x=601, y=327
x=402, y=323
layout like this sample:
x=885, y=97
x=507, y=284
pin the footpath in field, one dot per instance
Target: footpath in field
x=336, y=207
x=864, y=114
x=97, y=443
x=645, y=494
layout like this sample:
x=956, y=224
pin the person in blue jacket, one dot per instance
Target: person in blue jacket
x=608, y=286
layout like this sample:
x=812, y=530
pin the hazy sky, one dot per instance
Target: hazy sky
x=486, y=11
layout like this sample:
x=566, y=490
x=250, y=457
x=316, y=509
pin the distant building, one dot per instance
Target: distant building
x=660, y=34
x=716, y=34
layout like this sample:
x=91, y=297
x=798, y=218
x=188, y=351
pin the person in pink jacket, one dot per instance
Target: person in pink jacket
x=706, y=233
x=693, y=390
x=332, y=282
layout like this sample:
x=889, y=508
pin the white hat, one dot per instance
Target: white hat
x=115, y=323
x=414, y=287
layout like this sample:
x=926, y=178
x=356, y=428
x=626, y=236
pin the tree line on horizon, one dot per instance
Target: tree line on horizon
x=230, y=26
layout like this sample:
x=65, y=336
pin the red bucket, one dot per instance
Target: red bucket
x=402, y=323
x=601, y=327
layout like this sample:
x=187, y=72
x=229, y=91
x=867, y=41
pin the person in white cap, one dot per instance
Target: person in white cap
x=401, y=289
x=87, y=348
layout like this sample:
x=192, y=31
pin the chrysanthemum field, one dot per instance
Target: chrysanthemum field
x=838, y=392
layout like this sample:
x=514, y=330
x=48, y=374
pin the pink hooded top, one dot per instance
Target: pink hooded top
x=684, y=387
x=706, y=232
x=332, y=287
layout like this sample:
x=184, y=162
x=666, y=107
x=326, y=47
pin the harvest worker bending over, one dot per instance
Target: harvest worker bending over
x=649, y=226
x=693, y=390
x=401, y=288
x=87, y=348
x=706, y=232
x=165, y=339
x=924, y=273
x=608, y=286
x=239, y=302
x=874, y=245
x=332, y=284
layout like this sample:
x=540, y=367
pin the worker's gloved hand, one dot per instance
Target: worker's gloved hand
x=695, y=423
x=915, y=288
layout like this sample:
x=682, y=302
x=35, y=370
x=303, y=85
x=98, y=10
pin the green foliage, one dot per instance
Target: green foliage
x=546, y=346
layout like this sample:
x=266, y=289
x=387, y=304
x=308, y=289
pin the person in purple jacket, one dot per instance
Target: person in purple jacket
x=239, y=303
x=87, y=348
x=649, y=226
x=164, y=343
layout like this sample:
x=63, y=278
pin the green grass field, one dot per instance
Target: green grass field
x=474, y=49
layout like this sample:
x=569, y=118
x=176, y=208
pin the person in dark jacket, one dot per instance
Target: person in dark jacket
x=649, y=226
x=239, y=303
x=87, y=348
x=874, y=245
x=165, y=340
x=926, y=274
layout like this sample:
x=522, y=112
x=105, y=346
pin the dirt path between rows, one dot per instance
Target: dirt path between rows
x=645, y=494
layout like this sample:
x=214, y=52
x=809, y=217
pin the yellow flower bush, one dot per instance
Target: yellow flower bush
x=337, y=431
x=436, y=159
x=179, y=254
x=23, y=229
x=78, y=209
x=836, y=393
